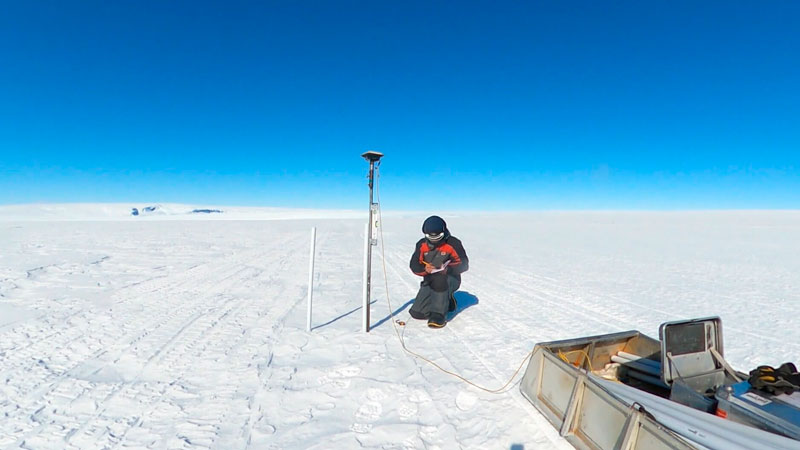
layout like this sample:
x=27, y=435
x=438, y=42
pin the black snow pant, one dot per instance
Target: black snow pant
x=434, y=296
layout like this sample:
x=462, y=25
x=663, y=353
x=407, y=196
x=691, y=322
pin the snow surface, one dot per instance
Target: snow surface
x=131, y=332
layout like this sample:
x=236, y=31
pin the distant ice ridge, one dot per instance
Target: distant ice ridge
x=159, y=210
x=162, y=211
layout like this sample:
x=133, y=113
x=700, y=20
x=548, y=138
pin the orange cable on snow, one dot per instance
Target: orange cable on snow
x=400, y=336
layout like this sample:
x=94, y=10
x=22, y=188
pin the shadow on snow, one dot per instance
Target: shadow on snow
x=396, y=312
x=463, y=300
x=340, y=317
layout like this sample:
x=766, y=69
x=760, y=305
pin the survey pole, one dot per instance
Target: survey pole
x=365, y=296
x=374, y=159
x=311, y=276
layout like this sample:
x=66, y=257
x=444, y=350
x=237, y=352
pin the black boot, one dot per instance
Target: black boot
x=436, y=320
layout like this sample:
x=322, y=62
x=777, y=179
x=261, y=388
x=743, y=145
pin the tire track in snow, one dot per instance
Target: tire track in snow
x=95, y=431
x=509, y=287
x=527, y=314
x=57, y=321
x=169, y=315
x=192, y=277
x=558, y=291
x=552, y=287
x=159, y=355
x=29, y=353
x=262, y=414
x=204, y=422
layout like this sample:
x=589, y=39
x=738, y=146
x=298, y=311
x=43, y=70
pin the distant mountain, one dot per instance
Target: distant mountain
x=159, y=210
x=149, y=210
x=163, y=211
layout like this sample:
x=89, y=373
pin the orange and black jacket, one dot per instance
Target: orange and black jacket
x=459, y=262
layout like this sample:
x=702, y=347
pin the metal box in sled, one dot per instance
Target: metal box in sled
x=775, y=413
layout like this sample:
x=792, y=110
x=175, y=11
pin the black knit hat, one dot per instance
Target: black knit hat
x=434, y=225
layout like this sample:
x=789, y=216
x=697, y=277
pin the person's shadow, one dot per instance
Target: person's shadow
x=463, y=301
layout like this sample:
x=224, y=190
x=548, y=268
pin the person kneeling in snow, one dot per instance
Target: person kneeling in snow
x=440, y=259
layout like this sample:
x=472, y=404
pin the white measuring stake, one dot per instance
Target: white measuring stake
x=311, y=276
x=365, y=308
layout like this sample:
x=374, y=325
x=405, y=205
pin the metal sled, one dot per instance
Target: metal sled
x=629, y=391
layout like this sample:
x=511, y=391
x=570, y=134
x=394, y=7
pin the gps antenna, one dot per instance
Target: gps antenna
x=371, y=234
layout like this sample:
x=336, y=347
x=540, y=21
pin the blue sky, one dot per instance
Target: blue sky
x=476, y=105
